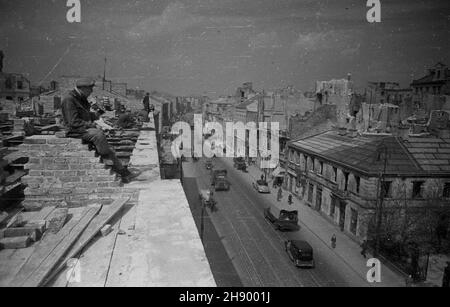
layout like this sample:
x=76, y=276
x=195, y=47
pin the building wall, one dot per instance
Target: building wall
x=14, y=87
x=240, y=115
x=298, y=125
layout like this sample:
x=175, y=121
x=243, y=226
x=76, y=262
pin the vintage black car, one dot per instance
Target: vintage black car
x=240, y=164
x=300, y=253
x=283, y=217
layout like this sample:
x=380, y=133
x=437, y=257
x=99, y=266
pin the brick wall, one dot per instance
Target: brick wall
x=64, y=169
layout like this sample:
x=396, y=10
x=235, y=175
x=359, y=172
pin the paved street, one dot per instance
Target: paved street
x=257, y=249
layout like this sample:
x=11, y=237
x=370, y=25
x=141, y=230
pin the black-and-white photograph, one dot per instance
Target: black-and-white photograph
x=224, y=144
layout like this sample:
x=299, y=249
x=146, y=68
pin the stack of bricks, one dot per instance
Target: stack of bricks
x=65, y=170
x=8, y=107
x=19, y=127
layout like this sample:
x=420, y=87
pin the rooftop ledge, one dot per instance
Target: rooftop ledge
x=161, y=246
x=154, y=243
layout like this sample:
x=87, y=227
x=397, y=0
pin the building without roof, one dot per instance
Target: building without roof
x=345, y=177
x=14, y=87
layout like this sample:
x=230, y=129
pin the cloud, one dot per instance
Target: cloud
x=351, y=51
x=265, y=40
x=173, y=19
x=310, y=41
x=348, y=41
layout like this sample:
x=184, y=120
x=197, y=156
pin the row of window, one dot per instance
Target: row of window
x=294, y=157
x=432, y=89
x=417, y=191
x=333, y=205
x=386, y=191
x=9, y=85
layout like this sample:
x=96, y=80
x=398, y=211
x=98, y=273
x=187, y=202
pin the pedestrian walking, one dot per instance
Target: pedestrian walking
x=280, y=194
x=333, y=241
x=446, y=279
x=364, y=248
x=290, y=199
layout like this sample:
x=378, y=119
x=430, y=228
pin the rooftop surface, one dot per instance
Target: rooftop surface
x=154, y=242
x=367, y=154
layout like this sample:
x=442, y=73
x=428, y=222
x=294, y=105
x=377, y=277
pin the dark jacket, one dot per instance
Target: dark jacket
x=76, y=114
x=146, y=103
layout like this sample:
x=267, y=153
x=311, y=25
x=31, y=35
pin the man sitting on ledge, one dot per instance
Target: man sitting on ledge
x=78, y=118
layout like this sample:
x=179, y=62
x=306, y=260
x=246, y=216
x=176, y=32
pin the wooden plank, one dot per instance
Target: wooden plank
x=36, y=279
x=33, y=216
x=31, y=232
x=15, y=242
x=15, y=219
x=14, y=177
x=120, y=260
x=3, y=216
x=49, y=244
x=12, y=187
x=11, y=260
x=49, y=128
x=94, y=259
x=107, y=213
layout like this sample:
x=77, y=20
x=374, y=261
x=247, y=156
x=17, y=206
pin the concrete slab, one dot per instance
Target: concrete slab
x=165, y=249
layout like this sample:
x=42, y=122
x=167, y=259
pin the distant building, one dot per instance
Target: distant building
x=339, y=176
x=14, y=87
x=49, y=102
x=380, y=92
x=119, y=88
x=244, y=92
x=241, y=110
x=220, y=109
x=436, y=82
x=337, y=92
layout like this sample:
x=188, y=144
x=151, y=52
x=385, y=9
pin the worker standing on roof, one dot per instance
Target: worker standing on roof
x=146, y=102
x=79, y=120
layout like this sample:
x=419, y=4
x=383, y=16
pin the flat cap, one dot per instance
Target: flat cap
x=85, y=82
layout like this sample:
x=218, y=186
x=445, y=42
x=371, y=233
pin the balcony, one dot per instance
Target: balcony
x=341, y=194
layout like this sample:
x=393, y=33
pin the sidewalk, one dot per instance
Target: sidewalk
x=346, y=249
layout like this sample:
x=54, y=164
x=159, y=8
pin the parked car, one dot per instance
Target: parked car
x=300, y=253
x=282, y=217
x=240, y=164
x=261, y=186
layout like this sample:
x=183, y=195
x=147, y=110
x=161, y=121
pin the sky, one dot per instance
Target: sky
x=210, y=47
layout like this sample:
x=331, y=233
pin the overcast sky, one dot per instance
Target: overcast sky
x=196, y=46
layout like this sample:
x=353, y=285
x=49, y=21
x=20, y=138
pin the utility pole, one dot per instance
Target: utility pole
x=380, y=199
x=370, y=111
x=104, y=75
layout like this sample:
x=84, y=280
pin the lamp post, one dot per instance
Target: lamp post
x=202, y=221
